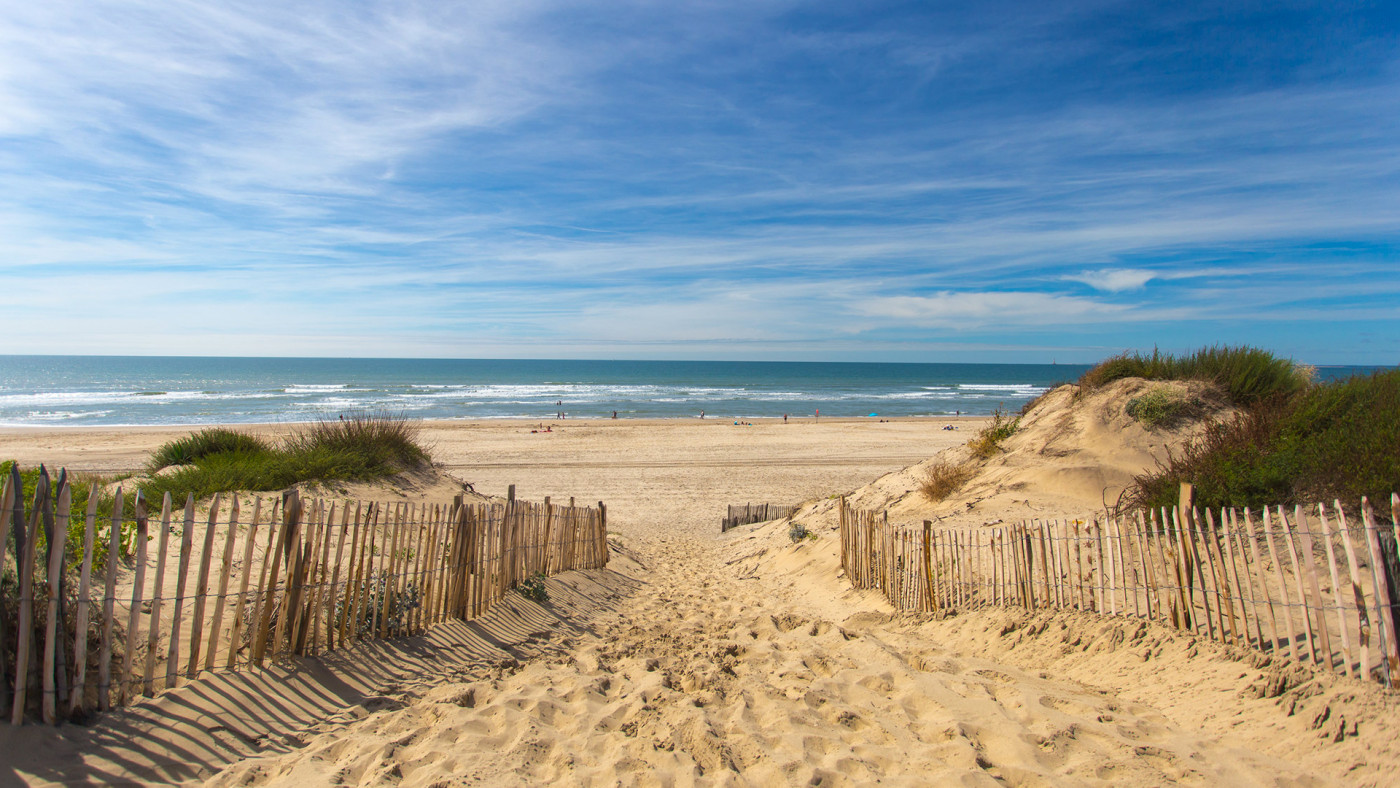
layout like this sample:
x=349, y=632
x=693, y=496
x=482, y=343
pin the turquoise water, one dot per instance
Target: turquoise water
x=92, y=390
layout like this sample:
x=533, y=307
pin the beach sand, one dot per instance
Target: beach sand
x=701, y=658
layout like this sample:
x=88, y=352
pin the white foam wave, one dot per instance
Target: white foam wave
x=1014, y=387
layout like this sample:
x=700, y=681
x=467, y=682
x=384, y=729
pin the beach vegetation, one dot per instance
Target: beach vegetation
x=359, y=447
x=82, y=487
x=798, y=532
x=1163, y=407
x=942, y=479
x=1334, y=441
x=1247, y=375
x=206, y=442
x=989, y=439
x=533, y=587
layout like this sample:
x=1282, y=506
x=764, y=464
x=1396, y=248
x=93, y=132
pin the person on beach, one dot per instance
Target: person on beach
x=614, y=414
x=785, y=418
x=702, y=414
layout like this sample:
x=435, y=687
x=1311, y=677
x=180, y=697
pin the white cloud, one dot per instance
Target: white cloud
x=1114, y=280
x=991, y=310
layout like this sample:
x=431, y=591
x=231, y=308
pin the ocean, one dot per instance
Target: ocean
x=129, y=390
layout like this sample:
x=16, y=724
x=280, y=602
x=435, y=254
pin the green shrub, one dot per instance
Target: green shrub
x=942, y=479
x=367, y=439
x=357, y=448
x=1339, y=440
x=988, y=441
x=373, y=591
x=797, y=532
x=534, y=587
x=215, y=440
x=82, y=489
x=1247, y=375
x=1162, y=407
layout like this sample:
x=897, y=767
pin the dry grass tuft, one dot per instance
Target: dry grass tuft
x=943, y=479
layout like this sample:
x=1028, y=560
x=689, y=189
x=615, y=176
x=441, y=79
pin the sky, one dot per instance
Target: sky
x=977, y=182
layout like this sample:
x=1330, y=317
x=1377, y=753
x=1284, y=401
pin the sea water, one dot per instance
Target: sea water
x=105, y=390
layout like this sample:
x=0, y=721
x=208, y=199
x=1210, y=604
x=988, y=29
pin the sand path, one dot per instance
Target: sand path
x=688, y=667
x=703, y=676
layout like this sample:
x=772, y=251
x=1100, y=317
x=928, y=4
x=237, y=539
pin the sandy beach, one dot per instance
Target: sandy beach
x=698, y=658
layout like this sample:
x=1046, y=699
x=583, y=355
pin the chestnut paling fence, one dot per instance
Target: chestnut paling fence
x=229, y=589
x=748, y=513
x=1312, y=585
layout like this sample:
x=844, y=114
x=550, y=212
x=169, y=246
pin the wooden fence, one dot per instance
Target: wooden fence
x=1314, y=586
x=233, y=590
x=754, y=513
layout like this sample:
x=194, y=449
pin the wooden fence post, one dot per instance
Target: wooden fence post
x=225, y=569
x=201, y=592
x=158, y=597
x=24, y=637
x=1363, y=620
x=1336, y=590
x=58, y=540
x=1390, y=639
x=80, y=628
x=172, y=661
x=1301, y=518
x=7, y=500
x=236, y=629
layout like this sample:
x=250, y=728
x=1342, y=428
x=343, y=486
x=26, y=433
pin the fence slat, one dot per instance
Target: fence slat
x=201, y=592
x=57, y=531
x=80, y=628
x=1310, y=565
x=1389, y=640
x=1363, y=619
x=1279, y=572
x=235, y=635
x=1336, y=590
x=24, y=637
x=7, y=501
x=216, y=627
x=172, y=660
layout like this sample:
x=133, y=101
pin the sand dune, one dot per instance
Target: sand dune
x=742, y=659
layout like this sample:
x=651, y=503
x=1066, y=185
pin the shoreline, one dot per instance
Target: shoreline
x=464, y=444
x=11, y=428
x=4, y=428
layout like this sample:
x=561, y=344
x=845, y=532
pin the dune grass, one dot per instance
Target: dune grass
x=988, y=441
x=83, y=487
x=1339, y=440
x=1247, y=375
x=355, y=448
x=215, y=440
x=942, y=479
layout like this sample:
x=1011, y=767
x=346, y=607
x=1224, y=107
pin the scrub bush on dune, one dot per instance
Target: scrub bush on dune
x=357, y=448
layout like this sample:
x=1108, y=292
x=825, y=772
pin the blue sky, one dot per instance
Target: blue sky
x=806, y=181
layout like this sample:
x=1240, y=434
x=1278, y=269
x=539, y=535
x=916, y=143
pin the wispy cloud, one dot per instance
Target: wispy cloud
x=779, y=179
